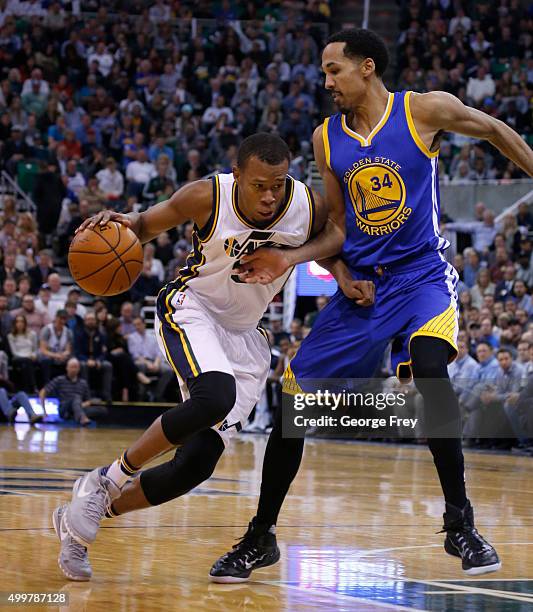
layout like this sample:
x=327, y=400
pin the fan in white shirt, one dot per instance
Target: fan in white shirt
x=103, y=57
x=110, y=180
x=141, y=170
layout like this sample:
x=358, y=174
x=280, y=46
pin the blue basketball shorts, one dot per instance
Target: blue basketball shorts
x=416, y=298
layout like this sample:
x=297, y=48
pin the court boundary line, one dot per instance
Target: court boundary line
x=509, y=595
x=339, y=596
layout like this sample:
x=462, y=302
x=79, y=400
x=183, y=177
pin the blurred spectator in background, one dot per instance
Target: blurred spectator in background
x=42, y=270
x=147, y=284
x=111, y=181
x=36, y=319
x=147, y=356
x=6, y=318
x=126, y=319
x=58, y=292
x=44, y=303
x=23, y=346
x=126, y=374
x=321, y=303
x=90, y=349
x=55, y=346
x=72, y=392
x=10, y=406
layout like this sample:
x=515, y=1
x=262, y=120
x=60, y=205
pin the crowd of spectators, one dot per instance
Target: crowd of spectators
x=495, y=363
x=481, y=53
x=119, y=108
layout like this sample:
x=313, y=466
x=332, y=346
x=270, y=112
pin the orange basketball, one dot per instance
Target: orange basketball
x=105, y=260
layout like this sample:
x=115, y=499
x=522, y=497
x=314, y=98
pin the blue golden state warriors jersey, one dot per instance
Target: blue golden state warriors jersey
x=391, y=187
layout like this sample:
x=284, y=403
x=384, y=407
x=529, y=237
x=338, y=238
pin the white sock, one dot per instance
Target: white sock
x=120, y=471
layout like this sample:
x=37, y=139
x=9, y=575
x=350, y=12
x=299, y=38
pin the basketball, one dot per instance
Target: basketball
x=105, y=260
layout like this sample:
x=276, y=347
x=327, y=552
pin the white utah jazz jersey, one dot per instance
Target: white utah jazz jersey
x=210, y=272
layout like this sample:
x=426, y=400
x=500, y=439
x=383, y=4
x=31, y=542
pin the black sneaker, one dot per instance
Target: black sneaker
x=257, y=548
x=463, y=540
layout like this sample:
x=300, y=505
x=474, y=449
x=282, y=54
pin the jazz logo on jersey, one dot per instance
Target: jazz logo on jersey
x=253, y=241
x=377, y=192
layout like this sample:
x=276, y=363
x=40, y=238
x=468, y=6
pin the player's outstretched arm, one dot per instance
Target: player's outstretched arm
x=328, y=233
x=192, y=202
x=437, y=110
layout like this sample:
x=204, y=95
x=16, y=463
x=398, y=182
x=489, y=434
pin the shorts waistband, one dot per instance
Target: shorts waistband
x=407, y=264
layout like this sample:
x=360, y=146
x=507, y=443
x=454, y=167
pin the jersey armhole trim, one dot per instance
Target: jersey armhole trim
x=206, y=232
x=311, y=201
x=325, y=139
x=411, y=124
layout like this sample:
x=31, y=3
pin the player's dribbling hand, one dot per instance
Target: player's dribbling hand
x=263, y=266
x=103, y=217
x=361, y=291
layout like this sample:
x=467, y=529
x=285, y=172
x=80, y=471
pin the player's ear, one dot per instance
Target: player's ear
x=236, y=173
x=367, y=67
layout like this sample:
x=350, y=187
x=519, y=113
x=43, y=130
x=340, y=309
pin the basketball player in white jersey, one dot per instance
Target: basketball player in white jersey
x=207, y=328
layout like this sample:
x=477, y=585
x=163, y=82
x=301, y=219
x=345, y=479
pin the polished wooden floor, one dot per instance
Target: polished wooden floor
x=357, y=531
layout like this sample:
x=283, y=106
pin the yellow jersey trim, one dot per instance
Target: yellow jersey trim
x=325, y=139
x=279, y=216
x=311, y=202
x=289, y=384
x=187, y=273
x=214, y=220
x=366, y=142
x=182, y=335
x=169, y=358
x=419, y=143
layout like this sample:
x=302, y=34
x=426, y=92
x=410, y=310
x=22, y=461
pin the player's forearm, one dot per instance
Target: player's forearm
x=337, y=268
x=152, y=222
x=510, y=144
x=325, y=244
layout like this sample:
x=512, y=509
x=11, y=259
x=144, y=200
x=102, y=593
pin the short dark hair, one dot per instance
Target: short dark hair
x=504, y=350
x=266, y=147
x=363, y=43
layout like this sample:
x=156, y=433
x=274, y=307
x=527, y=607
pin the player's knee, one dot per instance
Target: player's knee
x=429, y=358
x=214, y=394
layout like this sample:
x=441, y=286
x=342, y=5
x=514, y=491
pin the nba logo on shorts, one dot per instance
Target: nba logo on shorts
x=180, y=298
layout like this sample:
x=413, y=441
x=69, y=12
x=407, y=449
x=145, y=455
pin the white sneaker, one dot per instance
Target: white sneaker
x=73, y=559
x=91, y=495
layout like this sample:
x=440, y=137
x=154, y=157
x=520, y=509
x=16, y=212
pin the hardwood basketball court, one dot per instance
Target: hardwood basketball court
x=357, y=531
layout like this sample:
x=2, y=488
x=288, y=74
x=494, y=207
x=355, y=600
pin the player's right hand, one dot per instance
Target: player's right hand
x=361, y=291
x=103, y=217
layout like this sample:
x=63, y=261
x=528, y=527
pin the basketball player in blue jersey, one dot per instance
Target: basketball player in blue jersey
x=378, y=156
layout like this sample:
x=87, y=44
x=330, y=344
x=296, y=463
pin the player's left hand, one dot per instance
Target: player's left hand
x=361, y=291
x=263, y=266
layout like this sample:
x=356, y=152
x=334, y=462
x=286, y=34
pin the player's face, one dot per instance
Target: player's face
x=261, y=188
x=345, y=76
